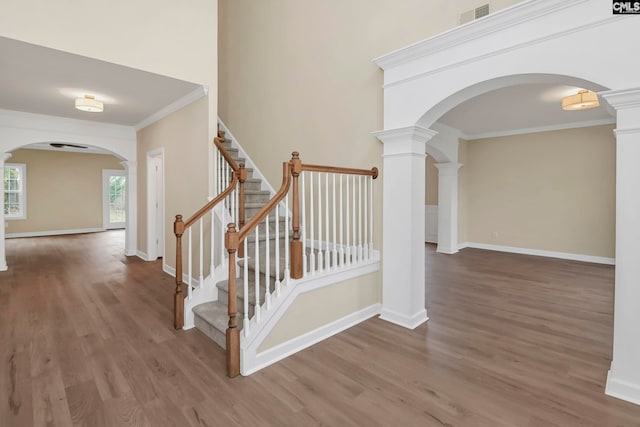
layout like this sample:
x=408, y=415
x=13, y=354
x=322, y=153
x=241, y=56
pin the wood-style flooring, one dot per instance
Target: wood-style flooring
x=512, y=340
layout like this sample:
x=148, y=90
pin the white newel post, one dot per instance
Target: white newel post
x=447, y=207
x=403, y=260
x=624, y=376
x=131, y=230
x=3, y=256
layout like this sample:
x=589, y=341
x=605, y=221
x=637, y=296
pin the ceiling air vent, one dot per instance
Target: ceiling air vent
x=474, y=14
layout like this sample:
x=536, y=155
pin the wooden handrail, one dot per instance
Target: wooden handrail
x=207, y=208
x=233, y=241
x=268, y=207
x=238, y=175
x=335, y=169
x=218, y=143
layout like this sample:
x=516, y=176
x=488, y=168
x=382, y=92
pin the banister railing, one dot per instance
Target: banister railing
x=344, y=228
x=229, y=175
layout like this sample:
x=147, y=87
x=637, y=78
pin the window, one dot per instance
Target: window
x=114, y=190
x=15, y=191
x=117, y=199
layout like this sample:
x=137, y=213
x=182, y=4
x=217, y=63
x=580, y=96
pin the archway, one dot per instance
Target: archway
x=22, y=130
x=532, y=40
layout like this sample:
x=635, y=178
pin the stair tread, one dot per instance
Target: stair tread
x=224, y=285
x=214, y=313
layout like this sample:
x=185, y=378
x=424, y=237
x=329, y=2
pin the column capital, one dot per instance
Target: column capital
x=622, y=99
x=130, y=165
x=406, y=140
x=625, y=105
x=448, y=169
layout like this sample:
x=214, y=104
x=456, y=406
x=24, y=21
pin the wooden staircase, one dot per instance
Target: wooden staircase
x=255, y=259
x=212, y=318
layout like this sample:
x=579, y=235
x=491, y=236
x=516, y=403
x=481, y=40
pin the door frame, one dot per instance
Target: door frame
x=106, y=223
x=153, y=182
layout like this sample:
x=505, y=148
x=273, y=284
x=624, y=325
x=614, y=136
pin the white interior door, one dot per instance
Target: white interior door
x=155, y=204
x=114, y=196
x=159, y=210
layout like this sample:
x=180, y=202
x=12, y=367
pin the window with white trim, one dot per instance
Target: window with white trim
x=15, y=191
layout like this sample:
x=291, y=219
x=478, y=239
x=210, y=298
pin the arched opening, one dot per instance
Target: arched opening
x=533, y=40
x=517, y=120
x=56, y=211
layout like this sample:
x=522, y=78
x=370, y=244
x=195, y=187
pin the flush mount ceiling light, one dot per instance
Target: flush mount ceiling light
x=88, y=103
x=582, y=100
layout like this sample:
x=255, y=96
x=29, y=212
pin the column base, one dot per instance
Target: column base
x=409, y=322
x=621, y=389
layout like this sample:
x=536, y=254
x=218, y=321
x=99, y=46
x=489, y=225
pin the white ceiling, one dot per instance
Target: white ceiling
x=530, y=106
x=40, y=80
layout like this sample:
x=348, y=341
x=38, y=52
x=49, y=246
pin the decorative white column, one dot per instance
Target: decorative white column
x=623, y=380
x=403, y=255
x=131, y=232
x=448, y=207
x=3, y=256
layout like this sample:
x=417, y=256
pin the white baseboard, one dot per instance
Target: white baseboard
x=185, y=278
x=621, y=389
x=143, y=256
x=409, y=322
x=538, y=252
x=286, y=349
x=54, y=232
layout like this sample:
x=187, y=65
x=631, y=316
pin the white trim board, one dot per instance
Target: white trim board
x=622, y=389
x=185, y=278
x=252, y=361
x=539, y=252
x=266, y=185
x=54, y=232
x=286, y=349
x=173, y=107
x=524, y=131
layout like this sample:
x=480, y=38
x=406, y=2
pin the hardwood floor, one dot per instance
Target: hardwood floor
x=86, y=340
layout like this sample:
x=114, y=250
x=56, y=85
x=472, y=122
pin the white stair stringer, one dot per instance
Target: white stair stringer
x=265, y=185
x=207, y=291
x=251, y=361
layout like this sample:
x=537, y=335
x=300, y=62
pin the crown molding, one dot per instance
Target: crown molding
x=192, y=96
x=42, y=122
x=622, y=99
x=523, y=131
x=497, y=21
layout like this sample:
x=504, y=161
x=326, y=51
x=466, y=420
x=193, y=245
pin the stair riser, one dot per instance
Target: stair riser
x=219, y=337
x=223, y=297
x=252, y=186
x=272, y=230
x=256, y=198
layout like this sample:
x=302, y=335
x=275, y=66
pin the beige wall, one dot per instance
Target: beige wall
x=183, y=135
x=298, y=75
x=170, y=38
x=551, y=191
x=310, y=310
x=159, y=36
x=64, y=190
x=431, y=182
